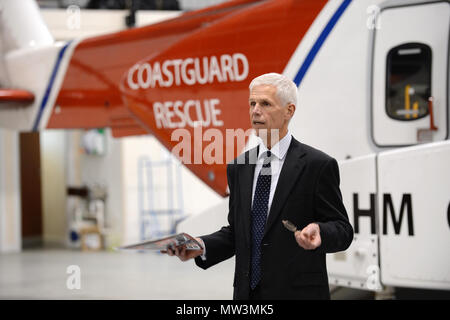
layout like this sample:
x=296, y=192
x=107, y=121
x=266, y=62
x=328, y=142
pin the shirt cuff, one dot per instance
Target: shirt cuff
x=203, y=256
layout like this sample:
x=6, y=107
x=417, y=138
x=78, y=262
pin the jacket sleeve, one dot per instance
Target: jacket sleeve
x=336, y=231
x=220, y=244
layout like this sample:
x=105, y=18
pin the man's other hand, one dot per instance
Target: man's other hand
x=182, y=253
x=309, y=237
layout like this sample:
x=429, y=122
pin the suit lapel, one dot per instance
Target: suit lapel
x=292, y=167
x=246, y=176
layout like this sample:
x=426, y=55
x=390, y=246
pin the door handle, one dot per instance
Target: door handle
x=430, y=111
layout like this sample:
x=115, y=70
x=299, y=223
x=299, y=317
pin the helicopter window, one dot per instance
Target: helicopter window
x=408, y=81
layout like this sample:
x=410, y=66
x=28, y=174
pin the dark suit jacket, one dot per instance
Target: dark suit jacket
x=307, y=191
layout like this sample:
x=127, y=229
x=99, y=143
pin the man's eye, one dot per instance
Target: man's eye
x=252, y=103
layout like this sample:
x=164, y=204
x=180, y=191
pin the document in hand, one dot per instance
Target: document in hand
x=181, y=239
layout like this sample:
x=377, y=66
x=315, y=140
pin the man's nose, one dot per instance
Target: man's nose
x=256, y=109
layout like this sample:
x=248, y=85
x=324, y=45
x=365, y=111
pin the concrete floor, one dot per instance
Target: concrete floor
x=42, y=274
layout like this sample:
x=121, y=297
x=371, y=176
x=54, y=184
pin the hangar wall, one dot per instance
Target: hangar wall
x=64, y=164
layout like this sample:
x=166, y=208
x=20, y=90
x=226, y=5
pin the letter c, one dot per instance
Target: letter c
x=131, y=84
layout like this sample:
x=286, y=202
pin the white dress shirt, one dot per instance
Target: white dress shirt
x=278, y=151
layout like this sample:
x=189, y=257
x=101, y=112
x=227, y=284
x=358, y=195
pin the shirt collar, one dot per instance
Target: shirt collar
x=279, y=149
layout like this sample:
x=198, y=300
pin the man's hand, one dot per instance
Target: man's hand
x=182, y=253
x=309, y=237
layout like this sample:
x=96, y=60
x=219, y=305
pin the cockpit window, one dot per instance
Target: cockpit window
x=408, y=82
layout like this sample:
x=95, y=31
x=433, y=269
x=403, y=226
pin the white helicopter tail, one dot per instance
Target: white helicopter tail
x=27, y=66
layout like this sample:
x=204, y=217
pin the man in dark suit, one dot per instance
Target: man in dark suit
x=281, y=179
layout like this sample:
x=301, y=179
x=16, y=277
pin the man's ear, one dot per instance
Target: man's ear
x=290, y=110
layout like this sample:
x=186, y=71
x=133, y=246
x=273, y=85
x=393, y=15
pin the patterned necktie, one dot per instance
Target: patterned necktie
x=259, y=216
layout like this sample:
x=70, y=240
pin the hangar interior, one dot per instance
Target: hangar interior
x=70, y=197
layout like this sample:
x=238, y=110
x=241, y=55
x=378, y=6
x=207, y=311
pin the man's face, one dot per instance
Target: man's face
x=267, y=112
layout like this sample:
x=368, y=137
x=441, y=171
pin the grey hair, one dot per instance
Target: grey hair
x=286, y=88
